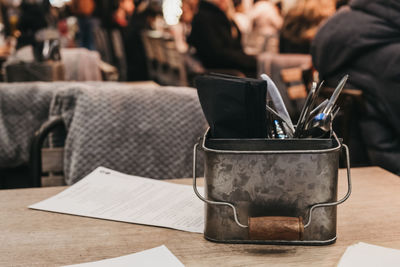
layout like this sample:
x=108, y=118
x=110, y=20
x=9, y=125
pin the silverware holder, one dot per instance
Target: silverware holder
x=271, y=191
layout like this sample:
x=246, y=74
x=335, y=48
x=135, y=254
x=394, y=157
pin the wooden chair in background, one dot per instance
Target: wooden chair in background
x=176, y=62
x=119, y=54
x=271, y=44
x=347, y=123
x=152, y=63
x=163, y=70
x=296, y=81
x=102, y=44
x=168, y=66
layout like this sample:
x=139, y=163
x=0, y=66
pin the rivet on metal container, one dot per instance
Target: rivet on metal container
x=272, y=191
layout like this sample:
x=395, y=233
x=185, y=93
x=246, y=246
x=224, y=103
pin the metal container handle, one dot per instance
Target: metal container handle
x=313, y=207
x=206, y=200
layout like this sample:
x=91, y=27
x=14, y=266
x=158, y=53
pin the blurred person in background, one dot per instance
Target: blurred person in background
x=217, y=39
x=340, y=3
x=241, y=19
x=142, y=19
x=363, y=40
x=32, y=19
x=181, y=31
x=83, y=9
x=120, y=21
x=5, y=32
x=122, y=13
x=266, y=21
x=301, y=24
x=101, y=11
x=4, y=19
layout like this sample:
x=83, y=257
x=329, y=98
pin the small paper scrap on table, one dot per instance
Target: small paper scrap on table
x=159, y=256
x=367, y=255
x=111, y=195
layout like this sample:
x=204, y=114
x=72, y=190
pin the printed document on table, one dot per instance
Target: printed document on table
x=367, y=255
x=107, y=194
x=159, y=256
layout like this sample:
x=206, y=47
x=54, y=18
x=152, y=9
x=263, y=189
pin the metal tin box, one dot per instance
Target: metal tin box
x=268, y=183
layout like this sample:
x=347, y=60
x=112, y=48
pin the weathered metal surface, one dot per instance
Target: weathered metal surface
x=271, y=183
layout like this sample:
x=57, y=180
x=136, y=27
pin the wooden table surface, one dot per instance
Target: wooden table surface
x=38, y=238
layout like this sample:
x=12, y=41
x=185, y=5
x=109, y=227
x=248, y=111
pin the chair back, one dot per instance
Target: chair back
x=152, y=64
x=347, y=123
x=176, y=62
x=101, y=40
x=286, y=70
x=145, y=131
x=119, y=54
x=294, y=80
x=271, y=44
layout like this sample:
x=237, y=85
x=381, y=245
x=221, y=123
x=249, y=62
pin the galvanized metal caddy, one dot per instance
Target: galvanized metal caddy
x=260, y=190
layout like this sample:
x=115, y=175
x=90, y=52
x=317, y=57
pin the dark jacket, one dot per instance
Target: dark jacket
x=364, y=41
x=134, y=47
x=215, y=45
x=32, y=19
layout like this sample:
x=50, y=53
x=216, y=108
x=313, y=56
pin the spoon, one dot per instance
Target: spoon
x=322, y=124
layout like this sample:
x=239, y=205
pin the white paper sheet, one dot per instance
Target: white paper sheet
x=107, y=194
x=367, y=255
x=159, y=256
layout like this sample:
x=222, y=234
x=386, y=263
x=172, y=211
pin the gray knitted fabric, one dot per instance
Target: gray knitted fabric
x=24, y=107
x=148, y=132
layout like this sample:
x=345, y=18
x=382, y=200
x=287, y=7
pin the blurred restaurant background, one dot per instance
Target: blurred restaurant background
x=148, y=39
x=129, y=44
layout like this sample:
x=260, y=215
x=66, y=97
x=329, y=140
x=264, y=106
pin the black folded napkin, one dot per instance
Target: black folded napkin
x=234, y=107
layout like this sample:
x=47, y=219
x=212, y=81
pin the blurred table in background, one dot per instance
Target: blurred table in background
x=77, y=64
x=81, y=64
